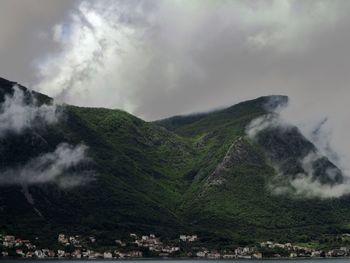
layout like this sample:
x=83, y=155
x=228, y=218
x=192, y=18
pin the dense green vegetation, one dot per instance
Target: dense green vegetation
x=166, y=177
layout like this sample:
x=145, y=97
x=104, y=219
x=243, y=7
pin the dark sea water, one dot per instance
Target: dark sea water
x=323, y=260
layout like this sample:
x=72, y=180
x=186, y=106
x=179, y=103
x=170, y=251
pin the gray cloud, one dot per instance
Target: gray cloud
x=160, y=58
x=53, y=167
x=16, y=115
x=25, y=30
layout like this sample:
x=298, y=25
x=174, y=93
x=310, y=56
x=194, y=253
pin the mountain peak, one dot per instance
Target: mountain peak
x=204, y=176
x=7, y=88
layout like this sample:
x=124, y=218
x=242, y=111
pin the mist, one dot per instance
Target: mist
x=16, y=115
x=58, y=167
x=303, y=184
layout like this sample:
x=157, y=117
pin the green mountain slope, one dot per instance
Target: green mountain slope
x=231, y=187
x=191, y=174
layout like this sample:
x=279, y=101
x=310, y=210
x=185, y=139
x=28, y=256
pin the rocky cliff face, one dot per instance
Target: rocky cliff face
x=288, y=150
x=240, y=152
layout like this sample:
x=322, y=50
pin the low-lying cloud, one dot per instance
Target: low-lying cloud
x=303, y=184
x=61, y=167
x=271, y=120
x=16, y=115
x=21, y=111
x=306, y=185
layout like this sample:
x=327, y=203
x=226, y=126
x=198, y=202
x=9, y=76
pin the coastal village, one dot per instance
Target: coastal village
x=148, y=246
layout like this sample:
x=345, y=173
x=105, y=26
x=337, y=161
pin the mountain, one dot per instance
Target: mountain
x=187, y=174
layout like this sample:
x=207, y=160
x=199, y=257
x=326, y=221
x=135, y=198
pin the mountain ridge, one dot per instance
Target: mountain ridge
x=189, y=174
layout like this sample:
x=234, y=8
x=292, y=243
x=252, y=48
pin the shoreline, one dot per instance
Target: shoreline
x=175, y=259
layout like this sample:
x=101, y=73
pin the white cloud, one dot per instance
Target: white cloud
x=53, y=168
x=307, y=187
x=325, y=123
x=91, y=57
x=304, y=184
x=16, y=115
x=259, y=124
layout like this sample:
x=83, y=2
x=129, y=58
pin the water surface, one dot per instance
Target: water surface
x=321, y=260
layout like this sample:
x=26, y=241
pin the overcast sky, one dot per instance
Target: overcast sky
x=160, y=58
